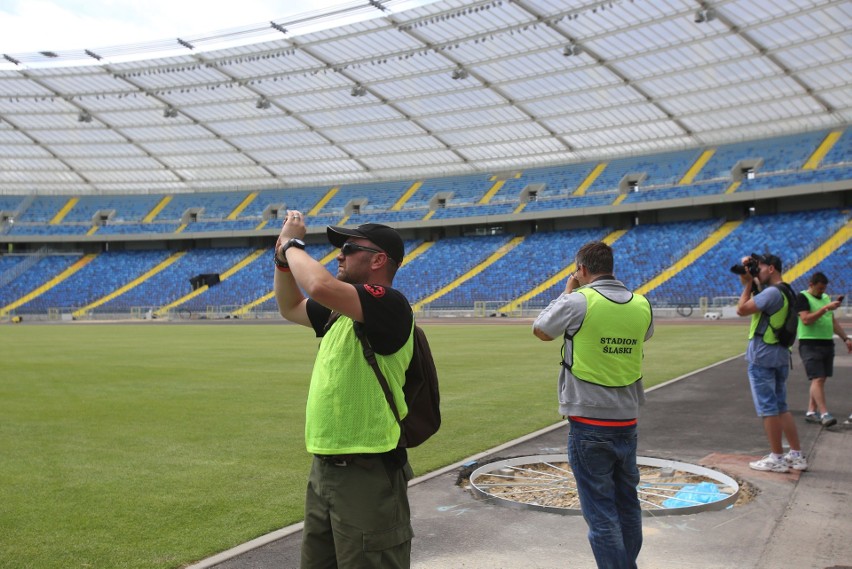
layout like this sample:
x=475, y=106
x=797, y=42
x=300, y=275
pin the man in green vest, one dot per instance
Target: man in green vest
x=604, y=326
x=817, y=326
x=356, y=506
x=769, y=361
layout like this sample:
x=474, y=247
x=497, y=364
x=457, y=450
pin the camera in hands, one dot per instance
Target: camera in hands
x=749, y=266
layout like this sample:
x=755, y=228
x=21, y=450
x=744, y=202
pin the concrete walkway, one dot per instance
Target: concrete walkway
x=796, y=520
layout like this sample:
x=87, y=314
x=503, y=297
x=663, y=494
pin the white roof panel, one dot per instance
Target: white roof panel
x=449, y=87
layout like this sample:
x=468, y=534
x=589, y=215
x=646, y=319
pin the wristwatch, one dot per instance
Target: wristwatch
x=278, y=262
x=294, y=242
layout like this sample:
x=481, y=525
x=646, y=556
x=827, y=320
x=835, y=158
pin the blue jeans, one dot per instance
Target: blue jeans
x=603, y=460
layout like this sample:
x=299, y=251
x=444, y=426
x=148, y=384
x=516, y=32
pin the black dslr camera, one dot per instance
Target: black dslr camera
x=749, y=267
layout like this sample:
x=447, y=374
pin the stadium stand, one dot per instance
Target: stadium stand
x=538, y=257
x=668, y=242
x=776, y=163
x=447, y=260
x=796, y=161
x=173, y=282
x=841, y=153
x=138, y=228
x=675, y=192
x=367, y=197
x=657, y=170
x=557, y=181
x=245, y=285
x=42, y=270
x=209, y=205
x=42, y=209
x=777, y=154
x=535, y=259
x=461, y=190
x=124, y=208
x=790, y=235
x=221, y=225
x=837, y=267
x=302, y=199
x=390, y=217
x=8, y=262
x=106, y=273
x=40, y=229
x=473, y=211
x=320, y=252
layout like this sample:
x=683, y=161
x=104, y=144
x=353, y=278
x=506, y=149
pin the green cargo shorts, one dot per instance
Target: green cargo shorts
x=357, y=515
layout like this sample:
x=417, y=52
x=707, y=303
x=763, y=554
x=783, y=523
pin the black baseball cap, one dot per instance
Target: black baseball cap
x=769, y=259
x=384, y=236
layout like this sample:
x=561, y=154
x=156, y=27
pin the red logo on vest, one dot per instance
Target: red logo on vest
x=376, y=290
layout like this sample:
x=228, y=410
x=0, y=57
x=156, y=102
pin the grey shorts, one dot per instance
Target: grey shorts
x=818, y=360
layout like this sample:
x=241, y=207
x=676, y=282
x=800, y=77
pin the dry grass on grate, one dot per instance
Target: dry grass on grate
x=552, y=485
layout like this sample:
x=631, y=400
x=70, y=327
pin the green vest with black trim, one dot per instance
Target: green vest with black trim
x=608, y=347
x=347, y=412
x=776, y=321
x=823, y=328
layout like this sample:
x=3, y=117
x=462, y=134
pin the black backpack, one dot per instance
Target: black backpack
x=420, y=389
x=786, y=334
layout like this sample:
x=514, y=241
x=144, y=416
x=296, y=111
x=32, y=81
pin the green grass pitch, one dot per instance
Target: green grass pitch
x=152, y=446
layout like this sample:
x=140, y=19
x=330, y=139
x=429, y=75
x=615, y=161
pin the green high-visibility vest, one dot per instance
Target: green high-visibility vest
x=608, y=347
x=347, y=412
x=776, y=321
x=823, y=328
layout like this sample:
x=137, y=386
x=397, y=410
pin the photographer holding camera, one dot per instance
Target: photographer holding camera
x=604, y=327
x=357, y=513
x=768, y=360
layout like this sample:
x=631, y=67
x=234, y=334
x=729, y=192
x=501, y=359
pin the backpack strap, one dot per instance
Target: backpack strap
x=333, y=317
x=764, y=324
x=786, y=292
x=370, y=356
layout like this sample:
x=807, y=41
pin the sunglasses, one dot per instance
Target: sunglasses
x=349, y=248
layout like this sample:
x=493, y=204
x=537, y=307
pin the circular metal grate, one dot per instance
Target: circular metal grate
x=545, y=482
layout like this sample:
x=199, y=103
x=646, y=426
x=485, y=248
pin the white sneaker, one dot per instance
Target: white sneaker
x=769, y=464
x=795, y=462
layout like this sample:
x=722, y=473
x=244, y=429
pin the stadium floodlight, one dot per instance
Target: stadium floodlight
x=460, y=73
x=84, y=116
x=572, y=49
x=358, y=90
x=262, y=103
x=170, y=112
x=706, y=15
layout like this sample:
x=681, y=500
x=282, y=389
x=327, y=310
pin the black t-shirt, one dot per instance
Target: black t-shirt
x=802, y=304
x=387, y=317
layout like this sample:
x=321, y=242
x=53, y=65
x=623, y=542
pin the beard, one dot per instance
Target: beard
x=343, y=275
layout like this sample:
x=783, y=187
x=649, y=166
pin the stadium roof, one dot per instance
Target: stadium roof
x=402, y=89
